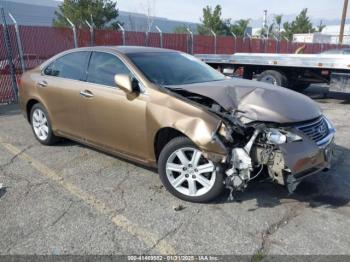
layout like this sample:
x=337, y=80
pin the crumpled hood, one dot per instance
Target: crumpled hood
x=259, y=101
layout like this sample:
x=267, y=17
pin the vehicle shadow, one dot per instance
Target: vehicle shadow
x=327, y=189
x=322, y=95
x=9, y=110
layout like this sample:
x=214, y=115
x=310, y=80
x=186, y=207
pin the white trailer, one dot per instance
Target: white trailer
x=295, y=71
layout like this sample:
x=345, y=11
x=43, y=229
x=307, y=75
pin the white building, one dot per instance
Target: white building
x=334, y=31
x=318, y=38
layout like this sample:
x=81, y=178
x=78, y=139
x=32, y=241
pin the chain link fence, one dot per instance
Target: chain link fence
x=24, y=47
x=10, y=67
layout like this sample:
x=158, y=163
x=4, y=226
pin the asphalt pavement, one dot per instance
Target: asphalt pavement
x=71, y=199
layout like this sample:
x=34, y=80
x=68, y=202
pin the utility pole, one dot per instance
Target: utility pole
x=343, y=19
x=264, y=23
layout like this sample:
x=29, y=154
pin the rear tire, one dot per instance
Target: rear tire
x=273, y=77
x=41, y=125
x=187, y=174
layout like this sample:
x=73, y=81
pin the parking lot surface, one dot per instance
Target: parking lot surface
x=71, y=199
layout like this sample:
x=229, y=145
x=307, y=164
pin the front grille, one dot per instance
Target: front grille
x=315, y=130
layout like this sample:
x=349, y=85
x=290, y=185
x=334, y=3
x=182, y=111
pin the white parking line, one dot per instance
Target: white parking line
x=149, y=238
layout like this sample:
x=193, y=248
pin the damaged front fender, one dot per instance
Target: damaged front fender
x=197, y=124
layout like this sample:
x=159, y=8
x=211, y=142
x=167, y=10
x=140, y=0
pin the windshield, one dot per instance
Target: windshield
x=173, y=68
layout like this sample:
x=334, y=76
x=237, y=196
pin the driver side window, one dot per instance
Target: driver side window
x=103, y=67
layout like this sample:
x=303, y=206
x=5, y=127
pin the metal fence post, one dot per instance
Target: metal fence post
x=19, y=43
x=285, y=38
x=250, y=42
x=123, y=32
x=235, y=37
x=191, y=39
x=261, y=42
x=266, y=43
x=214, y=40
x=74, y=32
x=146, y=38
x=9, y=56
x=161, y=36
x=91, y=28
x=277, y=43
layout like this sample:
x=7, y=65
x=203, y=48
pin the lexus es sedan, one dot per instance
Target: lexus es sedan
x=166, y=109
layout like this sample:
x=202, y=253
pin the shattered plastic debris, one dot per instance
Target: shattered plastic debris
x=178, y=207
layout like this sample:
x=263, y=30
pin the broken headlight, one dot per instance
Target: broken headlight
x=278, y=137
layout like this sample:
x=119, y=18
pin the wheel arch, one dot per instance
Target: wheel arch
x=29, y=105
x=163, y=136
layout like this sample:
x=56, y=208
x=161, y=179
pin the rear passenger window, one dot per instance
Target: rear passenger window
x=103, y=67
x=71, y=66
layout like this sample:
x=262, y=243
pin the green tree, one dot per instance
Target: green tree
x=300, y=25
x=274, y=29
x=240, y=27
x=278, y=22
x=103, y=13
x=181, y=29
x=320, y=27
x=212, y=21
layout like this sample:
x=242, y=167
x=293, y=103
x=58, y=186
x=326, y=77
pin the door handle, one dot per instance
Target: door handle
x=86, y=93
x=42, y=83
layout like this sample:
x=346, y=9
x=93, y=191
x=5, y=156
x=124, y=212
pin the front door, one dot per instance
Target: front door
x=111, y=119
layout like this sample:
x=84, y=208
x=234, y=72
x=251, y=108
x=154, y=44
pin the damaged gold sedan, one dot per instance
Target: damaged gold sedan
x=166, y=109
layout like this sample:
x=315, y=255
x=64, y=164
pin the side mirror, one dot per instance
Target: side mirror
x=124, y=82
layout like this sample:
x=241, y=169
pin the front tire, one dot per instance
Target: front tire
x=41, y=125
x=187, y=174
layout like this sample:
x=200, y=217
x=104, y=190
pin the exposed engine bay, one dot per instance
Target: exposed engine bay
x=256, y=146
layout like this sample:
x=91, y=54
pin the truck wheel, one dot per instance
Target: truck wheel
x=273, y=77
x=187, y=173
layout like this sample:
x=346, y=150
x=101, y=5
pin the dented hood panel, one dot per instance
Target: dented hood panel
x=259, y=101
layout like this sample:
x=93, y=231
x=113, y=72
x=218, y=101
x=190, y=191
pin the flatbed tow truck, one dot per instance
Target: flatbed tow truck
x=295, y=71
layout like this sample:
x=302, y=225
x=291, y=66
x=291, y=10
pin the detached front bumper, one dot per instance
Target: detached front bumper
x=306, y=157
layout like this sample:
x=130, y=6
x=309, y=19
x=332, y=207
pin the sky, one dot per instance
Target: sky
x=191, y=10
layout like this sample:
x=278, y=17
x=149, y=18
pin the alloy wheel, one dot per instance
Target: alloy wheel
x=40, y=124
x=189, y=172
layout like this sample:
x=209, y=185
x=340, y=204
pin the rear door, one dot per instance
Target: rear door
x=60, y=86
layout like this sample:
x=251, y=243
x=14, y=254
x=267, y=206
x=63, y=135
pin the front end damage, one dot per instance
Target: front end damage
x=288, y=152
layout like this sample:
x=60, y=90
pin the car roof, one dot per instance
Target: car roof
x=118, y=49
x=125, y=49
